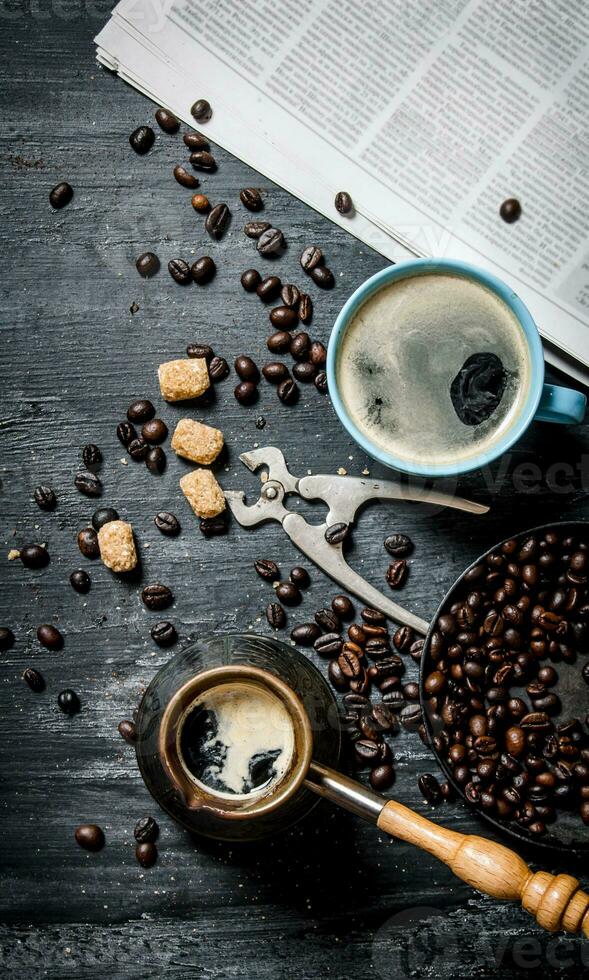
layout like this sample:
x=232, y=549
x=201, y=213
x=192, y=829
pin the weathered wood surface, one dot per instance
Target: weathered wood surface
x=332, y=898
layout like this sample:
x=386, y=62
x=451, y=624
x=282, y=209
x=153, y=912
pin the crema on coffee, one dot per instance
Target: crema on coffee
x=237, y=739
x=433, y=368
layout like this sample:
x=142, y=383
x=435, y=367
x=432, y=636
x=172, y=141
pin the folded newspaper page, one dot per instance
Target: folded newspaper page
x=430, y=114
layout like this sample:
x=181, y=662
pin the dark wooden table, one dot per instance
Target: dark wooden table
x=331, y=898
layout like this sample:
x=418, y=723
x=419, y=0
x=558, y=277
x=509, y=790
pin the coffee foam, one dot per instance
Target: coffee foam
x=403, y=348
x=245, y=723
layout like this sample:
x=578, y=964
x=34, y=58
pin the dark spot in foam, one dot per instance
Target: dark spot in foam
x=478, y=388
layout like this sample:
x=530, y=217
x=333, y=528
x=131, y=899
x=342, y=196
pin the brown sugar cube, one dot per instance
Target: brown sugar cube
x=117, y=547
x=198, y=442
x=203, y=493
x=183, y=379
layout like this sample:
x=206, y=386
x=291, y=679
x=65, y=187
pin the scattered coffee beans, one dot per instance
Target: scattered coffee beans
x=251, y=198
x=203, y=270
x=276, y=615
x=270, y=242
x=218, y=369
x=34, y=680
x=267, y=569
x=300, y=577
x=398, y=545
x=275, y=372
x=217, y=221
x=127, y=731
x=180, y=271
x=164, y=634
x=322, y=277
x=510, y=210
x=288, y=593
x=102, y=516
x=269, y=288
x=49, y=637
x=137, y=449
x=279, y=342
x=61, y=195
x=91, y=456
x=288, y=392
x=167, y=523
x=6, y=638
x=126, y=433
x=45, y=498
x=200, y=350
x=246, y=369
x=89, y=836
x=80, y=581
x=147, y=264
x=283, y=318
x=88, y=543
x=253, y=229
x=34, y=556
x=195, y=141
x=155, y=460
x=146, y=831
x=200, y=203
x=203, y=160
x=250, y=280
x=397, y=573
x=142, y=139
x=185, y=178
x=141, y=410
x=167, y=121
x=305, y=308
x=88, y=484
x=157, y=596
x=201, y=110
x=68, y=702
x=311, y=257
x=305, y=634
x=343, y=202
x=146, y=855
x=246, y=392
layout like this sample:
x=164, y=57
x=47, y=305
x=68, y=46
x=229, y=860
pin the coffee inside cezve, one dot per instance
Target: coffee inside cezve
x=237, y=740
x=434, y=368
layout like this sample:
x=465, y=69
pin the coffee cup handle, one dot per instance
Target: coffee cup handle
x=564, y=405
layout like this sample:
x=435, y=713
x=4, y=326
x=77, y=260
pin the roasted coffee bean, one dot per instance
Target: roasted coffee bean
x=283, y=318
x=126, y=433
x=271, y=242
x=142, y=139
x=147, y=265
x=80, y=581
x=253, y=229
x=311, y=257
x=300, y=577
x=429, y=788
x=276, y=615
x=397, y=573
x=146, y=855
x=337, y=533
x=411, y=716
x=167, y=121
x=202, y=351
x=91, y=456
x=201, y=110
x=328, y=645
x=398, y=545
x=349, y=661
x=200, y=203
x=7, y=638
x=328, y=620
x=195, y=141
x=185, y=178
x=288, y=593
x=217, y=221
x=275, y=372
x=373, y=617
x=155, y=460
x=137, y=449
x=300, y=346
x=68, y=702
x=213, y=527
x=304, y=371
x=61, y=195
x=267, y=569
x=88, y=484
x=127, y=731
x=269, y=288
x=164, y=634
x=403, y=637
x=88, y=543
x=34, y=680
x=34, y=556
x=250, y=280
x=317, y=354
x=203, y=160
x=49, y=637
x=251, y=199
x=321, y=382
x=279, y=342
x=180, y=271
x=246, y=368
x=290, y=295
x=416, y=650
x=342, y=607
x=146, y=830
x=218, y=369
x=203, y=270
x=154, y=431
x=305, y=634
x=367, y=751
x=343, y=202
x=89, y=836
x=157, y=596
x=510, y=210
x=383, y=717
x=322, y=277
x=288, y=392
x=167, y=523
x=246, y=392
x=45, y=498
x=305, y=308
x=141, y=410
x=103, y=516
x=382, y=777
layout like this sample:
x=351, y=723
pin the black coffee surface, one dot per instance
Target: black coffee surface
x=478, y=388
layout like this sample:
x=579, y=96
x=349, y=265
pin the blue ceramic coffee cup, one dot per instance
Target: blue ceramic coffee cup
x=545, y=402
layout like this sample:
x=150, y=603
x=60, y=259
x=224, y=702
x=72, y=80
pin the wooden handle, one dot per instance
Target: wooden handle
x=555, y=900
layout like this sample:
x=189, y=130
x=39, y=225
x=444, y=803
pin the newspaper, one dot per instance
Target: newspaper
x=429, y=113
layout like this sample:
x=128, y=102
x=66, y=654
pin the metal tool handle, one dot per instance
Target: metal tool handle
x=311, y=541
x=344, y=495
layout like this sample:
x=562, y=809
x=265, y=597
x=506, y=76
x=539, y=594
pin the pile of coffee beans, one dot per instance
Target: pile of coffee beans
x=144, y=445
x=496, y=713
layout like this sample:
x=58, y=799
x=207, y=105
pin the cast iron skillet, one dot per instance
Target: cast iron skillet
x=568, y=834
